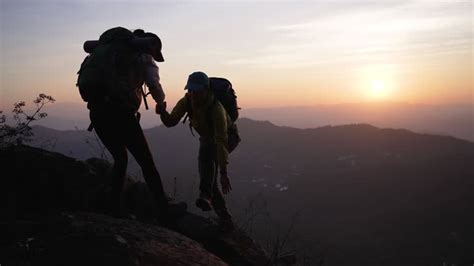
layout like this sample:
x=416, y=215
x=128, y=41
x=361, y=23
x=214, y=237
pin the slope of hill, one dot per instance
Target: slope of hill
x=359, y=194
x=53, y=214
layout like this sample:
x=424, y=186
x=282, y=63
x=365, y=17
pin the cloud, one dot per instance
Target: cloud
x=377, y=35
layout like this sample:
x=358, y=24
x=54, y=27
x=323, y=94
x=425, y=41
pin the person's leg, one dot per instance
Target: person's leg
x=206, y=168
x=207, y=172
x=106, y=131
x=218, y=203
x=138, y=146
x=118, y=174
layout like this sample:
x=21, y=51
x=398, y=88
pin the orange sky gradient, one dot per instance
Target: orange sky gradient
x=275, y=53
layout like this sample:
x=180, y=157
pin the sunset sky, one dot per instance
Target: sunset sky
x=276, y=53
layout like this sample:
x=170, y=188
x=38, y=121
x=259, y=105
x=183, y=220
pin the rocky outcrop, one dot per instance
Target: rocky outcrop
x=76, y=238
x=54, y=214
x=235, y=248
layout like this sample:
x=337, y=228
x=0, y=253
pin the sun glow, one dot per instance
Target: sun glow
x=378, y=90
x=378, y=86
x=378, y=83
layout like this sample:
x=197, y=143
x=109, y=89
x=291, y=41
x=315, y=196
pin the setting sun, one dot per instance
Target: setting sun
x=378, y=89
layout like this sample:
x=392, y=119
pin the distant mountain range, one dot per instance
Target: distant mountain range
x=452, y=120
x=357, y=194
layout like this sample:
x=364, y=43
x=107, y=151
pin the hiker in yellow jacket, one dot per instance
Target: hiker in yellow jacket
x=210, y=120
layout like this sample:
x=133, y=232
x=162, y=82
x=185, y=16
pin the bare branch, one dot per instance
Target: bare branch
x=19, y=133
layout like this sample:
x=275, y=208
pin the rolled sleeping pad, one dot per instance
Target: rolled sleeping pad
x=141, y=44
x=90, y=45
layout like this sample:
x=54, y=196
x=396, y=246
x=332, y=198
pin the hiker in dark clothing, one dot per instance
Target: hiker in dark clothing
x=210, y=120
x=115, y=119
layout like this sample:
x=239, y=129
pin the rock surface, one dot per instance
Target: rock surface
x=78, y=238
x=54, y=214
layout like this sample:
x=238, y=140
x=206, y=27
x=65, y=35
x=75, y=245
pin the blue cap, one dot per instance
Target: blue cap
x=197, y=81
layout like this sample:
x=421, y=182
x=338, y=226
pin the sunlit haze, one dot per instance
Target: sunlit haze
x=276, y=53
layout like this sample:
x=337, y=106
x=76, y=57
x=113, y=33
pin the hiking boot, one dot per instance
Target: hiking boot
x=204, y=204
x=226, y=225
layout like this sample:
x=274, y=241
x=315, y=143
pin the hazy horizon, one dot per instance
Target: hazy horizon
x=450, y=120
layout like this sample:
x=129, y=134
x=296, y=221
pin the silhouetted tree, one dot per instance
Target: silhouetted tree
x=20, y=132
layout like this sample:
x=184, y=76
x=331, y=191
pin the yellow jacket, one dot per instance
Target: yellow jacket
x=200, y=122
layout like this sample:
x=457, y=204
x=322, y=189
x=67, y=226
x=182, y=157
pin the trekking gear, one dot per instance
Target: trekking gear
x=233, y=137
x=142, y=44
x=223, y=91
x=225, y=94
x=104, y=74
x=100, y=71
x=204, y=204
x=144, y=94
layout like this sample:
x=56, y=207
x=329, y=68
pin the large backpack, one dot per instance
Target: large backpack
x=223, y=91
x=105, y=72
x=225, y=94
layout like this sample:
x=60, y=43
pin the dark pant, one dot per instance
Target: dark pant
x=208, y=176
x=120, y=131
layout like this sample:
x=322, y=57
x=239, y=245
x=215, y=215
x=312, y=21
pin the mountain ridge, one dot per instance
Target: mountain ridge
x=455, y=120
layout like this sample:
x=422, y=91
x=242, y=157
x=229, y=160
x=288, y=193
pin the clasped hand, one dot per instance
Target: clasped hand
x=160, y=108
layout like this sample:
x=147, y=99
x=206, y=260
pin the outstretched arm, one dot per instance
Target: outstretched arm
x=173, y=118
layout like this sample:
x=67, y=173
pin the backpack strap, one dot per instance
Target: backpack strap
x=144, y=94
x=189, y=109
x=191, y=129
x=189, y=114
